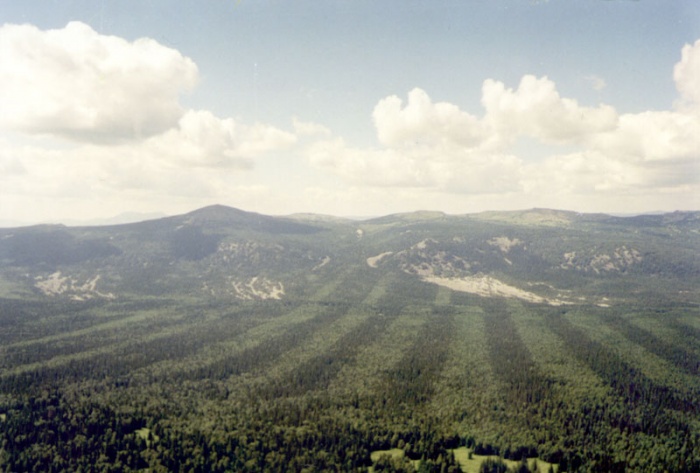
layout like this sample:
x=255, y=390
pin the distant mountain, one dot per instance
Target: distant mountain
x=539, y=255
x=126, y=217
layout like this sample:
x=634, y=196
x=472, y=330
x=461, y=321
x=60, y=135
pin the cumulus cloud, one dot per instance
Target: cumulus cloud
x=583, y=172
x=536, y=109
x=385, y=167
x=458, y=170
x=117, y=102
x=90, y=181
x=652, y=136
x=116, y=174
x=423, y=122
x=202, y=139
x=425, y=144
x=75, y=83
x=589, y=149
x=196, y=161
x=686, y=74
x=304, y=128
x=94, y=124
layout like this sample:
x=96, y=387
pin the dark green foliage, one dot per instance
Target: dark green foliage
x=191, y=243
x=51, y=246
x=89, y=412
x=510, y=359
x=686, y=359
x=220, y=215
x=179, y=373
x=493, y=466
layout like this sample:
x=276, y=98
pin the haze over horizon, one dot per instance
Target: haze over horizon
x=347, y=108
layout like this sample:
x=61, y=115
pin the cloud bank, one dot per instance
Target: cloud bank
x=102, y=117
x=96, y=122
x=437, y=146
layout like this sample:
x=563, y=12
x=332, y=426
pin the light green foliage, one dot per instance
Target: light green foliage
x=393, y=453
x=472, y=463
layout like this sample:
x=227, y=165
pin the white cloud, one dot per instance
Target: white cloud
x=114, y=177
x=10, y=165
x=686, y=74
x=201, y=145
x=76, y=83
x=202, y=139
x=385, y=167
x=437, y=146
x=462, y=171
x=652, y=136
x=536, y=109
x=130, y=141
x=425, y=145
x=423, y=122
x=582, y=173
x=303, y=128
x=597, y=82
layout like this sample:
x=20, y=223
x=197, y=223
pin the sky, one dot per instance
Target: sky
x=347, y=108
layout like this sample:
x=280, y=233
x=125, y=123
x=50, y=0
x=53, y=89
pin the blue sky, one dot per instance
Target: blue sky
x=348, y=107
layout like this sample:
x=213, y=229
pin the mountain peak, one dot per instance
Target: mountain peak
x=220, y=216
x=219, y=213
x=406, y=217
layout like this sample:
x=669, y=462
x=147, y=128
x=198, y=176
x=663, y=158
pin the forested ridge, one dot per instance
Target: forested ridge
x=358, y=366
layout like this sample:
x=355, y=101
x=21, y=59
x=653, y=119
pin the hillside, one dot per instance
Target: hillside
x=554, y=256
x=225, y=340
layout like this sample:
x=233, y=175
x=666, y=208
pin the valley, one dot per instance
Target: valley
x=223, y=340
